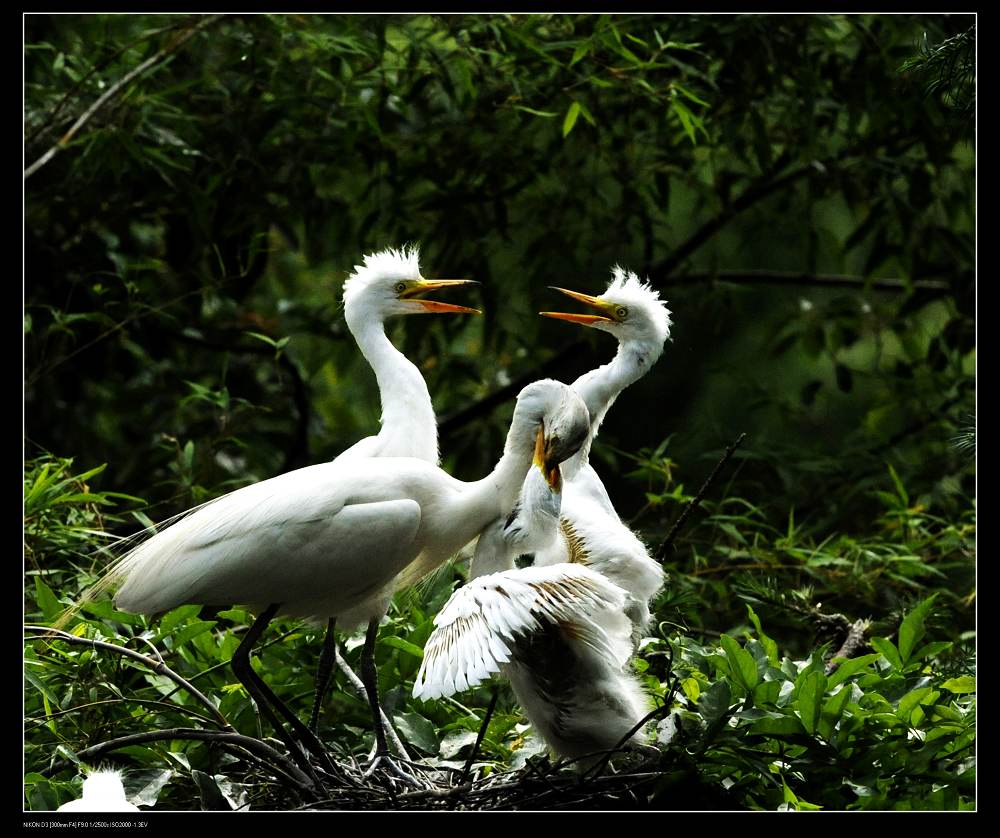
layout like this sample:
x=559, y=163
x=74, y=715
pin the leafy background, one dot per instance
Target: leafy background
x=800, y=188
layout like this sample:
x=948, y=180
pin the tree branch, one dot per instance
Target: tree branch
x=158, y=667
x=116, y=88
x=693, y=504
x=765, y=277
x=260, y=750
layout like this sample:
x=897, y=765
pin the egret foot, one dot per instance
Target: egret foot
x=389, y=771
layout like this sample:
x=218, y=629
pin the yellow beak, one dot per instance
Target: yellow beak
x=582, y=319
x=553, y=476
x=433, y=306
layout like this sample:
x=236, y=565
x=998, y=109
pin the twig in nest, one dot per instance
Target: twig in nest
x=280, y=765
x=693, y=504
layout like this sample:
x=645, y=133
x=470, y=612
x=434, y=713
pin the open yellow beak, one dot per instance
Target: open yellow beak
x=433, y=306
x=582, y=319
x=553, y=476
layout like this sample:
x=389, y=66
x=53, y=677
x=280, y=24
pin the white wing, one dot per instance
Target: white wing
x=318, y=540
x=478, y=627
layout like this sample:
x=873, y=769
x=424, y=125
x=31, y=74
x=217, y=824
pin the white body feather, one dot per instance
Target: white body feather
x=559, y=634
x=328, y=540
x=591, y=531
x=102, y=792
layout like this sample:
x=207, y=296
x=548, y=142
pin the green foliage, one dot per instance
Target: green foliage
x=801, y=188
x=785, y=735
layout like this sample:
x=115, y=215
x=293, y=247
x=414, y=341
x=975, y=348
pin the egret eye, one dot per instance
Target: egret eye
x=400, y=287
x=621, y=312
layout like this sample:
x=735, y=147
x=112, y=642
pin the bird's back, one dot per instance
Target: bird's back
x=318, y=540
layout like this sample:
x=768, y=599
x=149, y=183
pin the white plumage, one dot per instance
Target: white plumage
x=559, y=633
x=385, y=286
x=328, y=540
x=102, y=792
x=591, y=531
x=479, y=628
x=579, y=700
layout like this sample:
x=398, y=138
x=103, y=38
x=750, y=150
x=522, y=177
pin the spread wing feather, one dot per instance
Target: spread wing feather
x=478, y=628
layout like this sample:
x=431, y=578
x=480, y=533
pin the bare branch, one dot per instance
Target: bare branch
x=693, y=504
x=117, y=87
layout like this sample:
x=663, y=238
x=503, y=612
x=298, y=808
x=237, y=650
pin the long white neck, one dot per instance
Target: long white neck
x=409, y=427
x=599, y=388
x=496, y=494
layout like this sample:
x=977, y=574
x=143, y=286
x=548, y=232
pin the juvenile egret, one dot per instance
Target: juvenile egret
x=558, y=633
x=329, y=540
x=387, y=285
x=575, y=691
x=591, y=531
x=102, y=792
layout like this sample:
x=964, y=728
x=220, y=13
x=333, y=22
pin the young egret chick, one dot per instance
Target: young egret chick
x=591, y=532
x=329, y=540
x=557, y=633
x=388, y=284
x=102, y=792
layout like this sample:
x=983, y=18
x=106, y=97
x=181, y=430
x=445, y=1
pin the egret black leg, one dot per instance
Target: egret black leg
x=244, y=672
x=268, y=701
x=369, y=677
x=323, y=672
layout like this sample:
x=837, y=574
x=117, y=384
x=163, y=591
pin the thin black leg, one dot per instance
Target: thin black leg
x=244, y=672
x=266, y=698
x=323, y=672
x=369, y=677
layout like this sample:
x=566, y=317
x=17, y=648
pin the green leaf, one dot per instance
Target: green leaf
x=833, y=709
x=190, y=631
x=714, y=701
x=929, y=650
x=416, y=730
x=178, y=615
x=580, y=52
x=685, y=92
x=533, y=112
x=962, y=684
x=741, y=662
x=402, y=645
x=848, y=668
x=684, y=115
x=769, y=645
x=903, y=496
x=887, y=649
x=809, y=699
x=911, y=631
x=783, y=726
x=911, y=700
x=571, y=116
x=51, y=609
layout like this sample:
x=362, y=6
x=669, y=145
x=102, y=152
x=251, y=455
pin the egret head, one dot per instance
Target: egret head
x=389, y=283
x=629, y=309
x=559, y=421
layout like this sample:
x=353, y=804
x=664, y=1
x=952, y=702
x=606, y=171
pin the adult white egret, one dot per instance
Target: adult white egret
x=558, y=633
x=329, y=540
x=102, y=792
x=387, y=284
x=591, y=531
